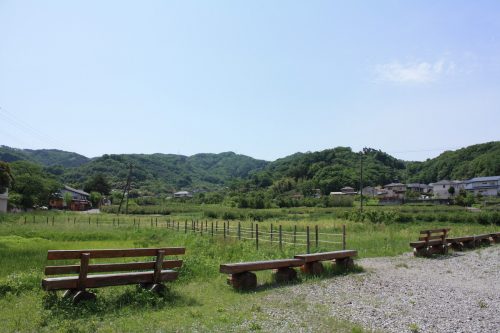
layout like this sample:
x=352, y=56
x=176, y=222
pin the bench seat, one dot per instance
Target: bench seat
x=259, y=265
x=105, y=280
x=419, y=244
x=323, y=256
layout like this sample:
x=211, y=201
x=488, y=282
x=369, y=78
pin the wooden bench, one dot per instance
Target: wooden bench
x=431, y=242
x=241, y=276
x=313, y=265
x=469, y=242
x=151, y=274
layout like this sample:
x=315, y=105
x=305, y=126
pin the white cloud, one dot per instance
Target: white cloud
x=415, y=72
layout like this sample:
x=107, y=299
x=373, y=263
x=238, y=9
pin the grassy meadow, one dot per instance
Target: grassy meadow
x=200, y=300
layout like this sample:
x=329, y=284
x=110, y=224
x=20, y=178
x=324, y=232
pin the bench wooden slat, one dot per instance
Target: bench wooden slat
x=112, y=253
x=327, y=255
x=434, y=230
x=460, y=239
x=105, y=280
x=259, y=265
x=116, y=267
x=483, y=236
x=423, y=243
x=423, y=238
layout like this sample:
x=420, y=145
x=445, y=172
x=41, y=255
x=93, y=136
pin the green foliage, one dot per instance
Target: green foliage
x=5, y=176
x=97, y=183
x=32, y=186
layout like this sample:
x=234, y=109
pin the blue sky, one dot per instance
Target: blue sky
x=261, y=78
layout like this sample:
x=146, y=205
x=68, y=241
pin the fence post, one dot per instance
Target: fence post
x=308, y=241
x=34, y=218
x=316, y=235
x=257, y=236
x=212, y=227
x=271, y=233
x=206, y=225
x=216, y=226
x=156, y=221
x=201, y=228
x=343, y=237
x=224, y=229
x=25, y=220
x=251, y=227
x=294, y=234
x=48, y=221
x=177, y=225
x=89, y=220
x=118, y=221
x=185, y=226
x=281, y=240
x=227, y=228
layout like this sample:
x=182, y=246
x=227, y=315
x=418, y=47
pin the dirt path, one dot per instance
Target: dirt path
x=456, y=293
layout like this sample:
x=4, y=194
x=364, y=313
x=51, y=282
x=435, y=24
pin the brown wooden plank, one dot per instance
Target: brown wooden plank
x=327, y=255
x=259, y=265
x=112, y=267
x=483, y=236
x=434, y=230
x=113, y=253
x=84, y=269
x=422, y=243
x=106, y=280
x=460, y=239
x=423, y=238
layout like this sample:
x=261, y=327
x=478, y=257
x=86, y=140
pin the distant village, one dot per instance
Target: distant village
x=442, y=190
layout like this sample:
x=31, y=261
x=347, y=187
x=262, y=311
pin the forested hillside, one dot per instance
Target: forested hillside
x=327, y=170
x=45, y=157
x=473, y=161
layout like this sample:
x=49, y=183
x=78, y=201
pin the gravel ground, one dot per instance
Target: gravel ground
x=455, y=293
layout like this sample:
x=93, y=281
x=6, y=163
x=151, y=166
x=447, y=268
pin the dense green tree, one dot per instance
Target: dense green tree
x=33, y=185
x=98, y=183
x=5, y=176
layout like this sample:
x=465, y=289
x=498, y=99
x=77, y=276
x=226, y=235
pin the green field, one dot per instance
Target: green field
x=200, y=300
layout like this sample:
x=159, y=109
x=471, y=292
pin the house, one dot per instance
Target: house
x=441, y=188
x=80, y=199
x=419, y=188
x=370, y=191
x=486, y=186
x=348, y=190
x=395, y=190
x=3, y=201
x=183, y=194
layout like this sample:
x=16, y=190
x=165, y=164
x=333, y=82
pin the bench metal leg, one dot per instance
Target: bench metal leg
x=313, y=268
x=420, y=252
x=485, y=242
x=76, y=296
x=154, y=287
x=243, y=281
x=459, y=246
x=285, y=275
x=469, y=244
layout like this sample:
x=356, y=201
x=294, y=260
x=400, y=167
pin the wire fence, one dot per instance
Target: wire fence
x=270, y=233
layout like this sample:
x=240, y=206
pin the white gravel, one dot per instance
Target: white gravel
x=455, y=293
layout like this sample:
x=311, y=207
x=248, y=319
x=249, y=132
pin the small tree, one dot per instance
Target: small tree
x=95, y=198
x=5, y=176
x=451, y=191
x=67, y=199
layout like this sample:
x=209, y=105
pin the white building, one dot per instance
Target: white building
x=487, y=186
x=441, y=188
x=3, y=201
x=183, y=194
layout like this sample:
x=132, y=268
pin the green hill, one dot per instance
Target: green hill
x=45, y=157
x=473, y=161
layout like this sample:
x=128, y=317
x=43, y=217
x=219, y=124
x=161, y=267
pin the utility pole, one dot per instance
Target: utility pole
x=126, y=189
x=362, y=153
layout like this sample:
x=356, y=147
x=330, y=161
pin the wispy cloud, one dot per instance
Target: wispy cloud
x=414, y=72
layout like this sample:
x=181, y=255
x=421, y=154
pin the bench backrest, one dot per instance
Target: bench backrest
x=432, y=234
x=85, y=267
